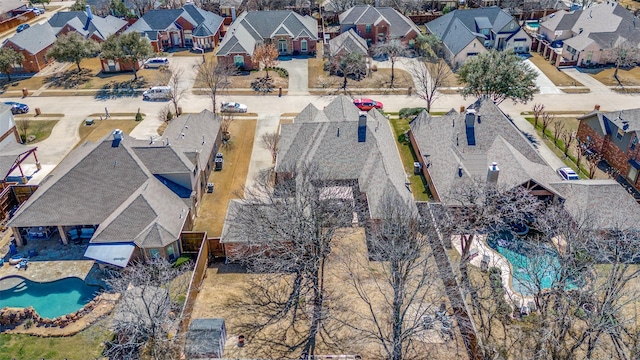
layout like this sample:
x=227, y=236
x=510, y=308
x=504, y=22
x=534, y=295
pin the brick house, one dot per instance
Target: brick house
x=379, y=24
x=34, y=42
x=291, y=33
x=189, y=27
x=615, y=136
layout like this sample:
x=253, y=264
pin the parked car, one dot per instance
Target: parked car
x=155, y=63
x=37, y=11
x=567, y=173
x=233, y=107
x=22, y=27
x=367, y=104
x=157, y=93
x=17, y=108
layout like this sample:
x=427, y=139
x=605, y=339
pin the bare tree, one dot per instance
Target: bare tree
x=165, y=114
x=568, y=138
x=538, y=109
x=148, y=312
x=269, y=141
x=215, y=77
x=351, y=66
x=624, y=54
x=173, y=77
x=593, y=160
x=430, y=77
x=340, y=6
x=142, y=6
x=558, y=128
x=285, y=232
x=547, y=119
x=23, y=125
x=392, y=50
x=396, y=283
x=265, y=56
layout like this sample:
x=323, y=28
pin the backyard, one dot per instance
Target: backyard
x=418, y=184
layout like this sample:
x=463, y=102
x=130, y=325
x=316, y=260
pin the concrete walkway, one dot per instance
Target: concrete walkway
x=545, y=84
x=261, y=157
x=594, y=85
x=298, y=75
x=547, y=154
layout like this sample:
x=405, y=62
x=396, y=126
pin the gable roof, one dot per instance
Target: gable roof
x=328, y=139
x=399, y=25
x=623, y=213
x=118, y=187
x=607, y=24
x=34, y=39
x=348, y=42
x=100, y=27
x=253, y=27
x=205, y=23
x=628, y=120
x=459, y=27
x=445, y=142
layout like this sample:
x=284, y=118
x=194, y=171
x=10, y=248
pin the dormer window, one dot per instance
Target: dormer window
x=620, y=134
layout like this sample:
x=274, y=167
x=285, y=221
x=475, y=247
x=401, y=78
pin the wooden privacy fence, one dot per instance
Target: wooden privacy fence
x=199, y=272
x=16, y=20
x=12, y=195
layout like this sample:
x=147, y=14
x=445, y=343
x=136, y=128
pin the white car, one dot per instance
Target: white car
x=567, y=173
x=233, y=107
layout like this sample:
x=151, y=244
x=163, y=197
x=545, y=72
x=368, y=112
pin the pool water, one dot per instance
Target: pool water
x=49, y=299
x=533, y=24
x=529, y=267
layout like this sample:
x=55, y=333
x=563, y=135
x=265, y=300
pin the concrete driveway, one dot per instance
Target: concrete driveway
x=545, y=84
x=594, y=85
x=298, y=75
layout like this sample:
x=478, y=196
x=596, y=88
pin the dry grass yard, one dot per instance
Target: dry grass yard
x=230, y=181
x=379, y=80
x=556, y=76
x=627, y=77
x=225, y=284
x=101, y=128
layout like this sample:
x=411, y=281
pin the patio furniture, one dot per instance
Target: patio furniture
x=23, y=264
x=15, y=259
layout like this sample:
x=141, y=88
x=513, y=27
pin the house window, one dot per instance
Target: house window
x=238, y=60
x=620, y=134
x=154, y=253
x=633, y=174
x=188, y=39
x=634, y=142
x=171, y=252
x=282, y=46
x=303, y=46
x=368, y=28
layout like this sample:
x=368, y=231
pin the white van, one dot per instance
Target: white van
x=155, y=63
x=157, y=93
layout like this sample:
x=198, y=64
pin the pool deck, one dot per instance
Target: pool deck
x=495, y=260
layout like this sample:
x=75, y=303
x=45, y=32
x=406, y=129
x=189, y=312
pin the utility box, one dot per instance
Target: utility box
x=89, y=121
x=210, y=187
x=218, y=162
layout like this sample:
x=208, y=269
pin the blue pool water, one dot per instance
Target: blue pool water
x=49, y=299
x=529, y=267
x=533, y=24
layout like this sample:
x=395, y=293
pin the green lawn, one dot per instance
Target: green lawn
x=41, y=129
x=418, y=188
x=82, y=346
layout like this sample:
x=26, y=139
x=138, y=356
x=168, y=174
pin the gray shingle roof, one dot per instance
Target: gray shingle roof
x=255, y=26
x=118, y=188
x=205, y=337
x=333, y=145
x=399, y=25
x=606, y=24
x=35, y=39
x=600, y=204
x=8, y=5
x=459, y=27
x=9, y=152
x=628, y=119
x=348, y=42
x=205, y=22
x=444, y=143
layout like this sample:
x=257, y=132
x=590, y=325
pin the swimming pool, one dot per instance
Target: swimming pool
x=49, y=299
x=533, y=24
x=529, y=266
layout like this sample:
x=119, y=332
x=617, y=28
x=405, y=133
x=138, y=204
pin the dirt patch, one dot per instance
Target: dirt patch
x=556, y=76
x=627, y=77
x=230, y=180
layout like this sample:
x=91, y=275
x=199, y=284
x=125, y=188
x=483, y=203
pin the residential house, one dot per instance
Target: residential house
x=35, y=42
x=290, y=32
x=357, y=150
x=614, y=135
x=458, y=147
x=587, y=36
x=130, y=198
x=347, y=43
x=482, y=143
x=379, y=24
x=189, y=27
x=471, y=32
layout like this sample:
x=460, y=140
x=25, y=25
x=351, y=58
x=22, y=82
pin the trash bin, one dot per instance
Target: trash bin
x=37, y=111
x=417, y=168
x=210, y=187
x=89, y=121
x=25, y=92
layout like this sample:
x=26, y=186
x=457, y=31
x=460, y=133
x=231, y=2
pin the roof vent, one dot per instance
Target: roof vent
x=117, y=138
x=492, y=174
x=459, y=171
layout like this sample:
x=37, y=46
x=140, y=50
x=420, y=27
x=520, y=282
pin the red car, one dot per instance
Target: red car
x=367, y=104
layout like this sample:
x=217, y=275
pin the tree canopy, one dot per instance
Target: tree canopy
x=9, y=57
x=130, y=48
x=73, y=47
x=499, y=75
x=265, y=56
